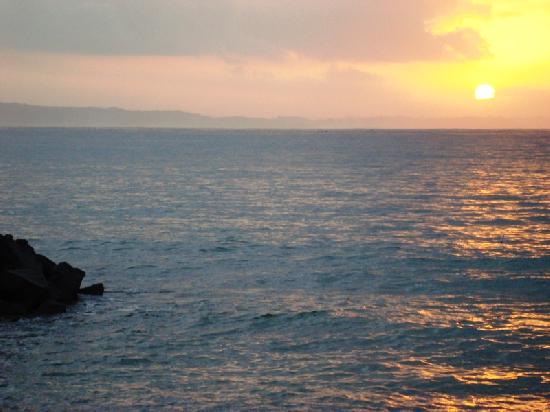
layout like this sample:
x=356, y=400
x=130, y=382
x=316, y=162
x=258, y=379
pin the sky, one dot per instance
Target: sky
x=311, y=58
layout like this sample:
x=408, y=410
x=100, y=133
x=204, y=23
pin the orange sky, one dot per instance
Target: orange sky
x=314, y=58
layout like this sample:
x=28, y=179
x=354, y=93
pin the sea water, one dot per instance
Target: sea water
x=267, y=270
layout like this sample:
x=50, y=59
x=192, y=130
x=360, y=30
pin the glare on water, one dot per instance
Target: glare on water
x=284, y=269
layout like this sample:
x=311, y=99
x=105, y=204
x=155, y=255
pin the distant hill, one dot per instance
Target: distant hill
x=16, y=114
x=24, y=115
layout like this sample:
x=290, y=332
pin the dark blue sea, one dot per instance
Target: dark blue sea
x=270, y=270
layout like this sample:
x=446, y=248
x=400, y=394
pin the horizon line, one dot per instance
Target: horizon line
x=274, y=117
x=27, y=115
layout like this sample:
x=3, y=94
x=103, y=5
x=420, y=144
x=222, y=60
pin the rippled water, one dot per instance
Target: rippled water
x=270, y=270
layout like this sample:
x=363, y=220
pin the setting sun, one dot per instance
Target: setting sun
x=293, y=204
x=485, y=92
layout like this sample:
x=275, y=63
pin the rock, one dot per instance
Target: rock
x=30, y=275
x=95, y=289
x=48, y=267
x=12, y=309
x=23, y=286
x=50, y=307
x=65, y=282
x=31, y=283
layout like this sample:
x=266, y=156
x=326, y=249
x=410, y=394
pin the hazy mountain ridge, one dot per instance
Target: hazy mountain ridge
x=25, y=115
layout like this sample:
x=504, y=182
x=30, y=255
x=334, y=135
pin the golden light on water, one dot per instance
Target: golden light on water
x=484, y=92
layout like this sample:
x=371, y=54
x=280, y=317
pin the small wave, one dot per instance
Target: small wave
x=500, y=222
x=58, y=374
x=333, y=193
x=217, y=249
x=290, y=316
x=144, y=266
x=539, y=219
x=65, y=249
x=234, y=239
x=121, y=248
x=501, y=197
x=344, y=279
x=134, y=361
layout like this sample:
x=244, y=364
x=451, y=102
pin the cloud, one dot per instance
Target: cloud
x=466, y=43
x=351, y=30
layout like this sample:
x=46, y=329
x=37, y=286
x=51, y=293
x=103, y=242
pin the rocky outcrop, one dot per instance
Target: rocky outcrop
x=31, y=283
x=95, y=289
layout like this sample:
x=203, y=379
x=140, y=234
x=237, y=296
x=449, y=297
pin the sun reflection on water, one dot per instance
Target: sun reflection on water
x=501, y=212
x=476, y=386
x=498, y=403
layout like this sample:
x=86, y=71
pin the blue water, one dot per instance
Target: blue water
x=283, y=269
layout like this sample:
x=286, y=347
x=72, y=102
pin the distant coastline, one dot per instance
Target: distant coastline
x=26, y=115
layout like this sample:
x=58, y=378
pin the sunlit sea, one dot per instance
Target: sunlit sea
x=269, y=270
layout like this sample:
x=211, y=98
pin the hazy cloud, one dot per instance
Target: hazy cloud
x=361, y=30
x=205, y=85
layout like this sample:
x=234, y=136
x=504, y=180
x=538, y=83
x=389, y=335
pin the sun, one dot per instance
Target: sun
x=485, y=92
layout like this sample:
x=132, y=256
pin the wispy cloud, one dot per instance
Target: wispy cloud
x=364, y=30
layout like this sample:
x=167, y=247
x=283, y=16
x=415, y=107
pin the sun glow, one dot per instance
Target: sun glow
x=484, y=92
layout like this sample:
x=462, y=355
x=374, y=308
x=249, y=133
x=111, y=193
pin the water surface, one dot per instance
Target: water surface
x=283, y=269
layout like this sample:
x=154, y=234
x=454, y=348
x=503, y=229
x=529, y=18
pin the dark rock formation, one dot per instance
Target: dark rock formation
x=32, y=284
x=95, y=289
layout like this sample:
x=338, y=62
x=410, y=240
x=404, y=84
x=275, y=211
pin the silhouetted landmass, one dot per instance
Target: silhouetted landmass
x=32, y=284
x=24, y=115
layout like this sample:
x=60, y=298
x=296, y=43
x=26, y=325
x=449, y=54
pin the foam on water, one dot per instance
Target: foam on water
x=264, y=269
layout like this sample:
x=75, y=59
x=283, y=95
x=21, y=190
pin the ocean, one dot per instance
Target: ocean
x=269, y=270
